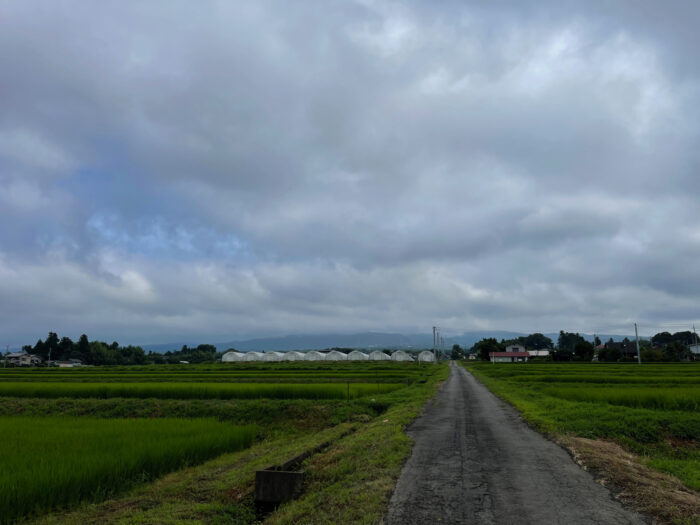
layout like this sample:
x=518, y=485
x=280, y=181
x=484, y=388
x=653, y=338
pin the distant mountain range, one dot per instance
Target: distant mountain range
x=362, y=340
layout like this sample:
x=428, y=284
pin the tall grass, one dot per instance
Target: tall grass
x=53, y=462
x=166, y=390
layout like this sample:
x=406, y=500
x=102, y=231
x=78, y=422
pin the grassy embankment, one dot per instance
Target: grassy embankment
x=222, y=490
x=650, y=411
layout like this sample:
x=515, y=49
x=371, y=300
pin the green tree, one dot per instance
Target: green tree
x=536, y=341
x=583, y=351
x=65, y=348
x=686, y=338
x=82, y=349
x=41, y=350
x=51, y=345
x=676, y=351
x=457, y=352
x=662, y=339
x=484, y=347
x=566, y=346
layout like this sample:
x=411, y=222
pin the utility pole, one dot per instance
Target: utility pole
x=636, y=335
x=434, y=335
x=437, y=351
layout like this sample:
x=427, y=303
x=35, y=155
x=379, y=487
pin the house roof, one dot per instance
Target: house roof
x=509, y=354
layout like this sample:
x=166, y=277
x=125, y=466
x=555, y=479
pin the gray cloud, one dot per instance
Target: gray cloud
x=250, y=169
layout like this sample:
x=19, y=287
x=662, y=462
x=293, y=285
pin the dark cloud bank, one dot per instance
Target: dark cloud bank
x=225, y=170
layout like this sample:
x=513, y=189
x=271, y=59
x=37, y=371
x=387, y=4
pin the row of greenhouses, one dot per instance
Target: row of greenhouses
x=333, y=355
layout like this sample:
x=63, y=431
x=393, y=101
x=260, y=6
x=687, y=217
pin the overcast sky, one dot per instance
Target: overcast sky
x=218, y=170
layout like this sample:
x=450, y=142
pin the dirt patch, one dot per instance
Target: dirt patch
x=636, y=485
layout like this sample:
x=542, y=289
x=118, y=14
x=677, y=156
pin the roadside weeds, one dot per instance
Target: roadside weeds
x=633, y=483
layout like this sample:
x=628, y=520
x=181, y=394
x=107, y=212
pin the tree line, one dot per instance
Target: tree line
x=571, y=346
x=55, y=348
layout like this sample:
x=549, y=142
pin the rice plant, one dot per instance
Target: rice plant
x=55, y=462
x=172, y=390
x=633, y=396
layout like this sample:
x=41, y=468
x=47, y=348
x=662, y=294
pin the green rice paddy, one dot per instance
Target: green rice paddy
x=53, y=462
x=164, y=390
x=85, y=434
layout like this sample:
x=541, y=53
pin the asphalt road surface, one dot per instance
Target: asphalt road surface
x=476, y=461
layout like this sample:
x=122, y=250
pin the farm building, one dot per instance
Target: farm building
x=232, y=357
x=538, y=353
x=515, y=348
x=22, y=359
x=400, y=355
x=356, y=355
x=253, y=356
x=314, y=356
x=508, y=357
x=293, y=356
x=379, y=356
x=426, y=356
x=334, y=355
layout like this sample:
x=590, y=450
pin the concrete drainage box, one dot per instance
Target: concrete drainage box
x=276, y=484
x=280, y=483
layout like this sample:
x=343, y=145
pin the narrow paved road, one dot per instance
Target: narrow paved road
x=476, y=461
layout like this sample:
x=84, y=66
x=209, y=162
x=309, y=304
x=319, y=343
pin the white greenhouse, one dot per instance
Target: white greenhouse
x=426, y=356
x=400, y=355
x=273, y=356
x=293, y=356
x=253, y=356
x=314, y=356
x=334, y=355
x=232, y=357
x=356, y=355
x=379, y=356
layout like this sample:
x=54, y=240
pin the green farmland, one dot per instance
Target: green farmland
x=192, y=390
x=652, y=410
x=65, y=459
x=83, y=436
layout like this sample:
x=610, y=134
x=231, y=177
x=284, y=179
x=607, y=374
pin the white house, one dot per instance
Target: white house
x=508, y=357
x=515, y=348
x=22, y=359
